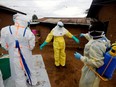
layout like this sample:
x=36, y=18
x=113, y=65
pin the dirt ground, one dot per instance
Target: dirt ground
x=69, y=76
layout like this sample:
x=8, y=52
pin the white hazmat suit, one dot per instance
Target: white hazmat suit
x=20, y=32
x=1, y=80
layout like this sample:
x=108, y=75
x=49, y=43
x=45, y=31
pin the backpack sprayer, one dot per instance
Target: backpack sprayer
x=106, y=71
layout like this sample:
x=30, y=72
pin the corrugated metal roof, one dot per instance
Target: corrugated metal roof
x=2, y=7
x=82, y=21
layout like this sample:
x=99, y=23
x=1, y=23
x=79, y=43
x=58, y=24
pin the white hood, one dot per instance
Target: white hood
x=57, y=31
x=21, y=20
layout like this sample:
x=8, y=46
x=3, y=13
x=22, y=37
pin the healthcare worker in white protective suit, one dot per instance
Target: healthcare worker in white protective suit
x=19, y=41
x=57, y=34
x=93, y=54
x=1, y=80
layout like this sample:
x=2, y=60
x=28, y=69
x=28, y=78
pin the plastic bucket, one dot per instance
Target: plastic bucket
x=5, y=68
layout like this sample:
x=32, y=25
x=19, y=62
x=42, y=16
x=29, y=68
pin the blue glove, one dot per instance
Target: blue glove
x=75, y=39
x=81, y=35
x=41, y=47
x=77, y=55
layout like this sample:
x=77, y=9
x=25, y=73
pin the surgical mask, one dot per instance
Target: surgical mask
x=96, y=34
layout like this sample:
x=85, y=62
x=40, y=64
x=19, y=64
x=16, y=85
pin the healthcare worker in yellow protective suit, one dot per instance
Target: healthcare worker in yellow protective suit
x=93, y=54
x=19, y=41
x=58, y=33
x=1, y=80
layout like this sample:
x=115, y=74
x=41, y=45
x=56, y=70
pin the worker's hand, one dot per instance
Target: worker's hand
x=75, y=39
x=41, y=47
x=77, y=55
x=81, y=35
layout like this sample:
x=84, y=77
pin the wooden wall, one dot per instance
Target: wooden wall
x=44, y=29
x=5, y=19
x=108, y=13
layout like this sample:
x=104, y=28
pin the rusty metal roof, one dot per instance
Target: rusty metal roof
x=53, y=20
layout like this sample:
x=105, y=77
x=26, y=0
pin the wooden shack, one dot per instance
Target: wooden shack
x=105, y=10
x=6, y=16
x=74, y=25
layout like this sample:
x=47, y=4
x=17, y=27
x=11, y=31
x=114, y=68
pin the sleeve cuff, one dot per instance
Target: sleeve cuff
x=82, y=58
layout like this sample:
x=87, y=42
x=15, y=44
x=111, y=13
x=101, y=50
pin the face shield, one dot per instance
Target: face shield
x=60, y=24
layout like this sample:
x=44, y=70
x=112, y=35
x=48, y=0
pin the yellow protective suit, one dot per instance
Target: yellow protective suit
x=59, y=44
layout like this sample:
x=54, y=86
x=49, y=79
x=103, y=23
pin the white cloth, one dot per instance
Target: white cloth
x=1, y=80
x=57, y=31
x=26, y=43
x=21, y=19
